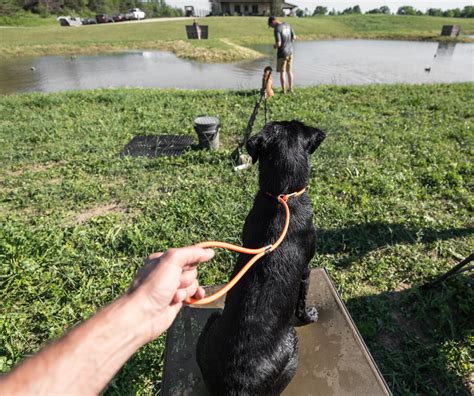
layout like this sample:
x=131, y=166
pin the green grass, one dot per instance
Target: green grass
x=239, y=30
x=390, y=189
x=27, y=19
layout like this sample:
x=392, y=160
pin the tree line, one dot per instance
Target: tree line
x=152, y=8
x=466, y=12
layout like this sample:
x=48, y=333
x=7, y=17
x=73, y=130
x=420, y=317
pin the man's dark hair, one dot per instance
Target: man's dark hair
x=270, y=20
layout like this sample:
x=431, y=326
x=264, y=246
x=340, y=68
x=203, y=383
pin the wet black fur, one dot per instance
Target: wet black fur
x=251, y=348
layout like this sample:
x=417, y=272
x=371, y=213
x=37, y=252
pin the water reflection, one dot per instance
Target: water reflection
x=316, y=62
x=445, y=50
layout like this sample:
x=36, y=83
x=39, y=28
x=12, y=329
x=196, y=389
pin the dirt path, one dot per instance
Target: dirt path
x=152, y=20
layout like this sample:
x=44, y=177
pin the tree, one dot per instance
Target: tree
x=434, y=12
x=467, y=12
x=216, y=8
x=299, y=13
x=276, y=9
x=381, y=10
x=374, y=11
x=97, y=6
x=352, y=10
x=457, y=13
x=320, y=10
x=9, y=8
x=74, y=5
x=406, y=10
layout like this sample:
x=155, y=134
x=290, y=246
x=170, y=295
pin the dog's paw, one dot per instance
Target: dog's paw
x=309, y=315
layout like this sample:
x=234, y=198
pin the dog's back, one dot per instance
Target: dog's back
x=251, y=348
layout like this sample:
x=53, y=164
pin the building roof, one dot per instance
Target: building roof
x=288, y=5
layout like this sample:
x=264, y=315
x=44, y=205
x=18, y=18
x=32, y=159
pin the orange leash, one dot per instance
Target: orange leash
x=258, y=252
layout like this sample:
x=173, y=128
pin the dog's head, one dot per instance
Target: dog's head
x=283, y=148
x=284, y=139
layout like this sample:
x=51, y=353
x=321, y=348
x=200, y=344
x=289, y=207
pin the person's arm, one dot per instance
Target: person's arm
x=277, y=39
x=85, y=360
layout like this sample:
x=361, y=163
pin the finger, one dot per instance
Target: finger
x=179, y=296
x=200, y=293
x=192, y=289
x=183, y=294
x=188, y=256
x=187, y=277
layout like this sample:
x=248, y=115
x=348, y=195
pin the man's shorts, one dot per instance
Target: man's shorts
x=284, y=64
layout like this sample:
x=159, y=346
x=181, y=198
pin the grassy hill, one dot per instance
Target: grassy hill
x=226, y=34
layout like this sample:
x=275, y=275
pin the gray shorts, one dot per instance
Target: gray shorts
x=284, y=64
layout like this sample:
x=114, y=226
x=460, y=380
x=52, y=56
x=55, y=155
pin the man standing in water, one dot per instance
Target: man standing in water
x=284, y=37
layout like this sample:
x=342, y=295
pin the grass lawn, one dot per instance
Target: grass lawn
x=27, y=19
x=225, y=34
x=390, y=189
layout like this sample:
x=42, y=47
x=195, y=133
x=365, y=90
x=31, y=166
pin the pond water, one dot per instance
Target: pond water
x=316, y=62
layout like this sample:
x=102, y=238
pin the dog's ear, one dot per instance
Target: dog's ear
x=316, y=137
x=254, y=145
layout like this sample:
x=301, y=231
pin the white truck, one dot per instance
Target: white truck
x=135, y=13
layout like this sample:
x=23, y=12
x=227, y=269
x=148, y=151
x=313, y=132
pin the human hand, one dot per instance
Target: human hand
x=164, y=282
x=275, y=46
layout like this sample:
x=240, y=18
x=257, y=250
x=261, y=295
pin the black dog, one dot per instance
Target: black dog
x=251, y=348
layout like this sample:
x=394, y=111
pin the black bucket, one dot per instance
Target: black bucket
x=207, y=129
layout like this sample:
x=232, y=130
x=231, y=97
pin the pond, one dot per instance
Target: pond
x=316, y=62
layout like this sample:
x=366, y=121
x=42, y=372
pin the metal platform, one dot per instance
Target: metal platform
x=154, y=146
x=334, y=359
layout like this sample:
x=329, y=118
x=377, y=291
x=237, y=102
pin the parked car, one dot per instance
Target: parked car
x=89, y=21
x=119, y=18
x=69, y=21
x=135, y=14
x=103, y=18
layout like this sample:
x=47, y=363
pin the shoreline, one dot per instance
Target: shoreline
x=230, y=38
x=185, y=49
